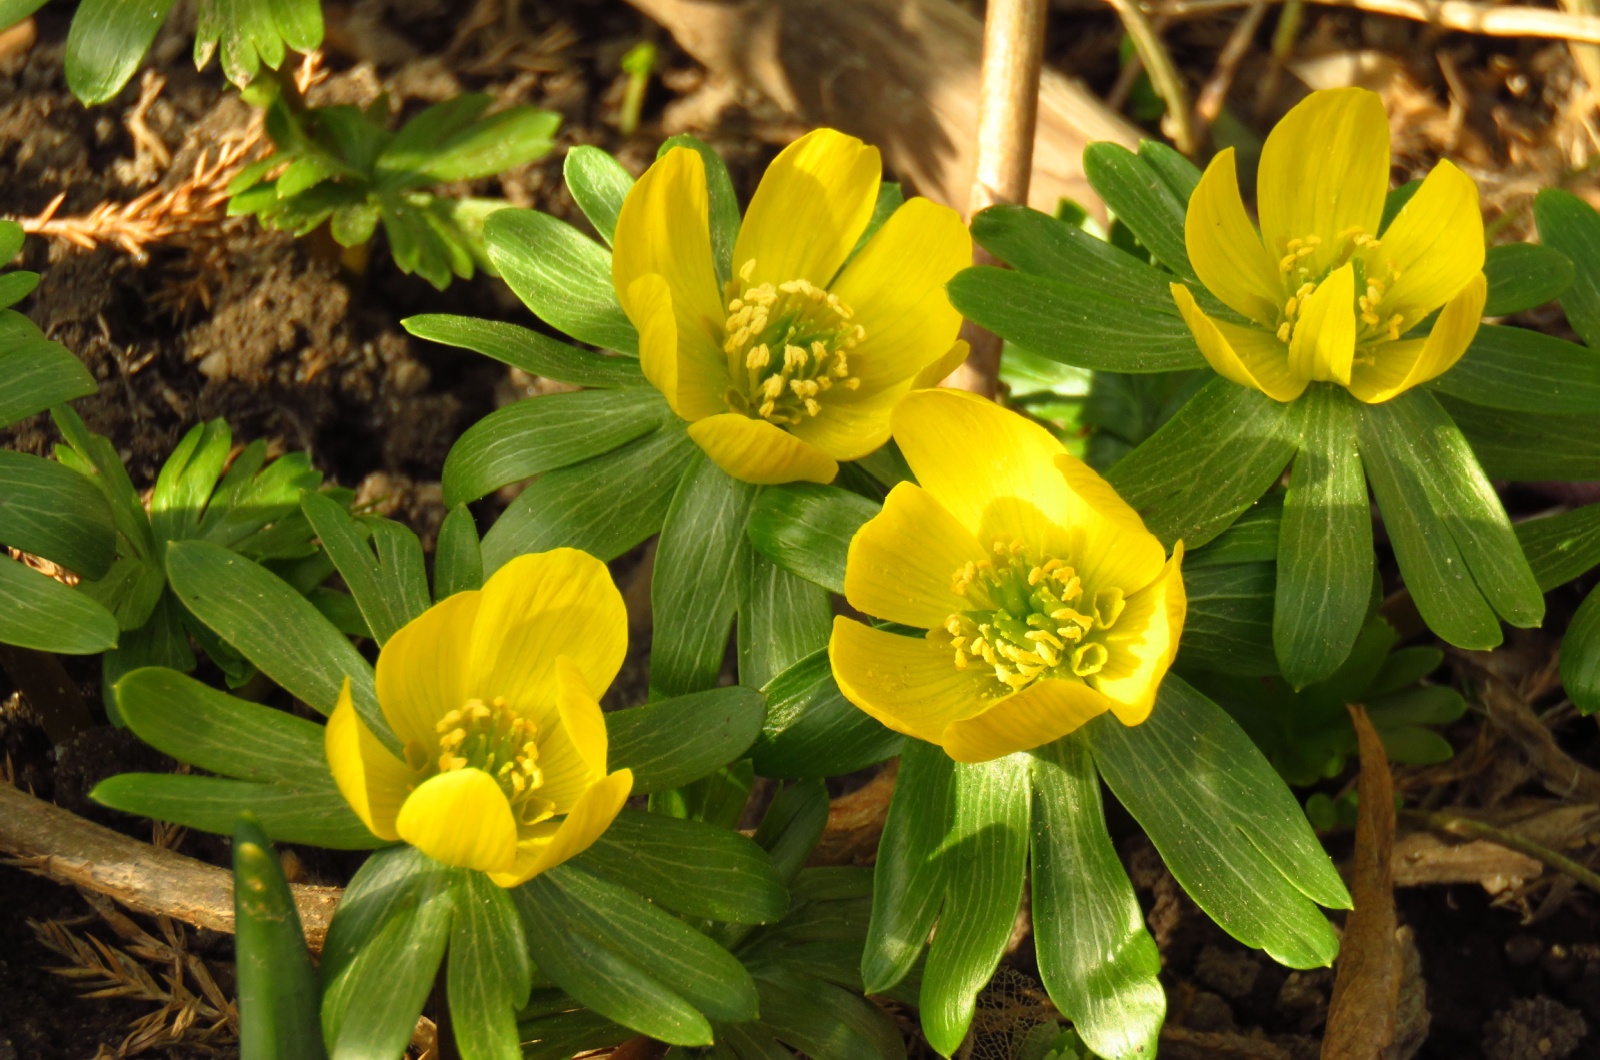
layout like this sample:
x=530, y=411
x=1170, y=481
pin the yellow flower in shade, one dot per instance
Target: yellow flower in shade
x=1327, y=297
x=493, y=695
x=1046, y=601
x=794, y=365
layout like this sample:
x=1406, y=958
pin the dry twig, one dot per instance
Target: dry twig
x=1464, y=16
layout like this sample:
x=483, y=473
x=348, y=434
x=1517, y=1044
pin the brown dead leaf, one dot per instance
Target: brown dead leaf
x=1366, y=990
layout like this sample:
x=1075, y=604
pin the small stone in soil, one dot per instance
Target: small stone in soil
x=1534, y=1028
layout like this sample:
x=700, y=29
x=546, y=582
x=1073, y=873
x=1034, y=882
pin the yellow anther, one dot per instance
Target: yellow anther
x=1284, y=331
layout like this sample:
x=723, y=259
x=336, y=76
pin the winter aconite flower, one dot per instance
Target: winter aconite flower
x=1046, y=601
x=492, y=694
x=1328, y=296
x=794, y=364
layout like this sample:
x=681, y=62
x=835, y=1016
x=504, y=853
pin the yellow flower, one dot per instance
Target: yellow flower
x=1046, y=600
x=1327, y=298
x=795, y=364
x=493, y=695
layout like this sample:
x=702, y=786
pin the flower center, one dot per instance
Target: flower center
x=1029, y=619
x=790, y=344
x=1304, y=266
x=496, y=739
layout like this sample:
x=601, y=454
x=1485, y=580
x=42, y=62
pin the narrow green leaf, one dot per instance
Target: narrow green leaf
x=314, y=815
x=820, y=1019
x=598, y=183
x=604, y=506
x=1143, y=201
x=468, y=150
x=793, y=825
x=1529, y=446
x=890, y=198
x=1036, y=243
x=1569, y=225
x=1176, y=172
x=457, y=558
x=806, y=529
x=106, y=43
x=1580, y=656
x=279, y=996
x=391, y=587
x=38, y=612
x=15, y=286
x=1228, y=625
x=1524, y=371
x=562, y=275
x=566, y=1034
x=489, y=974
x=528, y=350
x=1210, y=462
x=39, y=374
x=699, y=579
x=908, y=883
x=540, y=434
x=1325, y=556
x=1561, y=547
x=1098, y=962
x=811, y=730
x=724, y=202
x=11, y=233
x=50, y=510
x=1524, y=275
x=672, y=742
x=1396, y=201
x=690, y=867
x=1225, y=824
x=782, y=619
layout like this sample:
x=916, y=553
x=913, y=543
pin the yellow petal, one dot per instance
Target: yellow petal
x=1436, y=242
x=760, y=452
x=850, y=426
x=948, y=362
x=1324, y=171
x=461, y=818
x=422, y=670
x=1247, y=356
x=896, y=288
x=1399, y=366
x=909, y=684
x=692, y=374
x=1113, y=548
x=991, y=469
x=535, y=609
x=664, y=228
x=812, y=205
x=1042, y=713
x=902, y=561
x=1225, y=248
x=373, y=781
x=549, y=843
x=572, y=753
x=1324, y=340
x=1143, y=642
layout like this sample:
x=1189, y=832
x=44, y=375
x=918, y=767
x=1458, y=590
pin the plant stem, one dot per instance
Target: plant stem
x=1457, y=825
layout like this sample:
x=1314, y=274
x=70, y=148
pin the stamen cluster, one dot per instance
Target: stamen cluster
x=1359, y=248
x=790, y=343
x=496, y=739
x=1027, y=621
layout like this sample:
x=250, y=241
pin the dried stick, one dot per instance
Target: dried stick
x=1164, y=76
x=1489, y=20
x=46, y=839
x=1468, y=827
x=1008, y=112
x=1215, y=93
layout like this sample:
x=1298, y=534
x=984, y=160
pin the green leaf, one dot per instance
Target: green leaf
x=604, y=506
x=782, y=619
x=540, y=434
x=723, y=202
x=107, y=41
x=12, y=12
x=489, y=974
x=1569, y=225
x=317, y=816
x=1176, y=172
x=1074, y=325
x=908, y=883
x=1396, y=201
x=383, y=952
x=1036, y=243
x=1228, y=625
x=1253, y=538
x=11, y=233
x=50, y=510
x=1580, y=656
x=811, y=730
x=38, y=374
x=890, y=198
x=1210, y=462
x=566, y=1034
x=1143, y=201
x=1225, y=824
x=457, y=558
x=279, y=996
x=598, y=183
x=562, y=275
x=1561, y=547
x=276, y=628
x=219, y=733
x=1418, y=435
x=983, y=860
x=628, y=960
x=671, y=742
x=1524, y=275
x=820, y=1019
x=794, y=823
x=1099, y=964
x=699, y=578
x=15, y=286
x=1525, y=371
x=436, y=148
x=528, y=350
x=689, y=867
x=38, y=612
x=1325, y=556
x=1527, y=446
x=391, y=586
x=806, y=529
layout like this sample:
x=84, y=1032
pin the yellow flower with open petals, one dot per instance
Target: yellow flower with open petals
x=1046, y=601
x=1327, y=296
x=795, y=364
x=493, y=695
